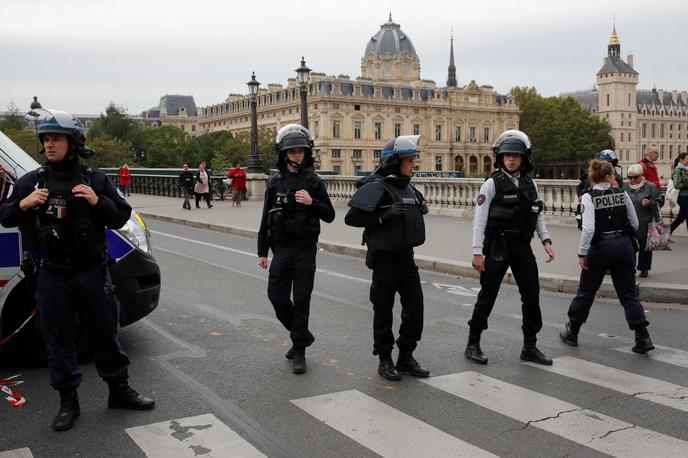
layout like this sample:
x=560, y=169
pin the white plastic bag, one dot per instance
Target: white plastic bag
x=671, y=193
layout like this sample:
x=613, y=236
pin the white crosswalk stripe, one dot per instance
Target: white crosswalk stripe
x=639, y=386
x=664, y=354
x=193, y=436
x=17, y=453
x=382, y=428
x=586, y=427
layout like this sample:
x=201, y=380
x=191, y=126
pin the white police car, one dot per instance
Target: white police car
x=135, y=274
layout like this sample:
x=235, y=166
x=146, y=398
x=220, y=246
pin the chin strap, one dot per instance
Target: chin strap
x=294, y=164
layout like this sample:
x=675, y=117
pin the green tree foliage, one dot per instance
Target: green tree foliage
x=560, y=128
x=238, y=149
x=26, y=140
x=163, y=146
x=116, y=123
x=12, y=120
x=110, y=152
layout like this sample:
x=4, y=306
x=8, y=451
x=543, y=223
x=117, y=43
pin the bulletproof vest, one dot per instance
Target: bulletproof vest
x=514, y=208
x=288, y=220
x=65, y=226
x=610, y=211
x=398, y=233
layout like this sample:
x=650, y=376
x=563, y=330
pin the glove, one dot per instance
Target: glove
x=396, y=210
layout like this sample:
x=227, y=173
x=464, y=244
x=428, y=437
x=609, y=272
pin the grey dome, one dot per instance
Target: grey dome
x=390, y=39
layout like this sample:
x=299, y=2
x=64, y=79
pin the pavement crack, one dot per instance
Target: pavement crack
x=530, y=422
x=612, y=432
x=642, y=392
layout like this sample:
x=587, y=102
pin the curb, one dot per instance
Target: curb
x=647, y=291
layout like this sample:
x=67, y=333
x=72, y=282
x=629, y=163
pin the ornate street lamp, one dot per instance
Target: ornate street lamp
x=35, y=105
x=255, y=163
x=302, y=73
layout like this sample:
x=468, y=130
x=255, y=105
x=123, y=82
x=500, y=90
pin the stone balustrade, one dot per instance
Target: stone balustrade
x=445, y=196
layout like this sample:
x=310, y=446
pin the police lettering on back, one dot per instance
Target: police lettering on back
x=609, y=201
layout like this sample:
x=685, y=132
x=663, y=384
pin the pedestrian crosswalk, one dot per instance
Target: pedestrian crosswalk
x=369, y=420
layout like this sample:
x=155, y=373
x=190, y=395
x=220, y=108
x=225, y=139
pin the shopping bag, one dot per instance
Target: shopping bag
x=671, y=194
x=658, y=237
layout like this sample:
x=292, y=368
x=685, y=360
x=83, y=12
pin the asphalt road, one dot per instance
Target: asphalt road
x=214, y=351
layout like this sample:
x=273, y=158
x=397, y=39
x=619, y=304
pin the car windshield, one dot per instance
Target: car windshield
x=14, y=159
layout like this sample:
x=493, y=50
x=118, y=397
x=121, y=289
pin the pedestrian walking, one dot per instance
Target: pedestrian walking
x=295, y=201
x=680, y=178
x=186, y=181
x=238, y=178
x=607, y=243
x=62, y=210
x=585, y=186
x=391, y=211
x=649, y=168
x=202, y=186
x=646, y=200
x=507, y=214
x=124, y=175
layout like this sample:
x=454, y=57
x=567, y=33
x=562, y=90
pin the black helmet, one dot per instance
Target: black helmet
x=396, y=149
x=293, y=136
x=61, y=122
x=515, y=142
x=609, y=156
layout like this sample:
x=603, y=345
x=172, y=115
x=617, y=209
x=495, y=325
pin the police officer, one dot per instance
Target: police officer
x=607, y=243
x=507, y=214
x=62, y=210
x=584, y=185
x=295, y=201
x=391, y=211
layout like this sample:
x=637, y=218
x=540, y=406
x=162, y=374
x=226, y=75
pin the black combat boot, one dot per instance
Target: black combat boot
x=299, y=360
x=570, y=335
x=643, y=344
x=387, y=369
x=408, y=365
x=122, y=396
x=473, y=351
x=531, y=353
x=69, y=410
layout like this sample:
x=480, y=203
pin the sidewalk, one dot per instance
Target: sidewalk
x=447, y=248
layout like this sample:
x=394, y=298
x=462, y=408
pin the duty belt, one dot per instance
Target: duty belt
x=514, y=235
x=612, y=234
x=69, y=264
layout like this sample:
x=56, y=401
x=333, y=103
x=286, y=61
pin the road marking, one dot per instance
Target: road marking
x=17, y=453
x=192, y=436
x=639, y=386
x=663, y=354
x=586, y=427
x=456, y=289
x=384, y=429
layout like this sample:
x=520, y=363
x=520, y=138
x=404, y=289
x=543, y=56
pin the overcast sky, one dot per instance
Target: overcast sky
x=78, y=55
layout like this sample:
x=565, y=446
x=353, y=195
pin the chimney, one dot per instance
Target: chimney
x=674, y=97
x=660, y=95
x=684, y=97
x=629, y=60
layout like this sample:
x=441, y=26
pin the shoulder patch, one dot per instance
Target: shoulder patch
x=481, y=199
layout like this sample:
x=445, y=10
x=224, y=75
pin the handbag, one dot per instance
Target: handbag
x=672, y=193
x=658, y=237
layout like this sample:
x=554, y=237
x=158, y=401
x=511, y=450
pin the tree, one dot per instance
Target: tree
x=110, y=152
x=116, y=123
x=12, y=120
x=163, y=146
x=26, y=140
x=560, y=128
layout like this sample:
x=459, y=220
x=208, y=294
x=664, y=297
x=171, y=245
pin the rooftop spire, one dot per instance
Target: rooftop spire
x=451, y=75
x=614, y=46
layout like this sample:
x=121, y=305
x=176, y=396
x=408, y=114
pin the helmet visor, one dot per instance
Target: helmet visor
x=406, y=145
x=511, y=137
x=290, y=128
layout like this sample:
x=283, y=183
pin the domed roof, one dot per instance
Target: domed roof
x=390, y=39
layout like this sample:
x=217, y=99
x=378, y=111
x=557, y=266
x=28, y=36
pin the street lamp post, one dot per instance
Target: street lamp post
x=302, y=73
x=35, y=105
x=255, y=163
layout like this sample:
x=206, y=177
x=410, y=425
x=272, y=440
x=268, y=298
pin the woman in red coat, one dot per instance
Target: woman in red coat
x=124, y=180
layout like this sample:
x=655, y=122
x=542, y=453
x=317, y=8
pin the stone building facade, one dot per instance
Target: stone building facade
x=174, y=110
x=352, y=118
x=639, y=118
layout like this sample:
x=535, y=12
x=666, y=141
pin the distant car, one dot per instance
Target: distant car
x=136, y=274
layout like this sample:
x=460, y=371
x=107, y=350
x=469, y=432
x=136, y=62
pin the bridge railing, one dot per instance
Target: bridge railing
x=449, y=196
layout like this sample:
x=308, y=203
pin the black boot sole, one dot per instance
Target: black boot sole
x=66, y=426
x=642, y=351
x=536, y=360
x=393, y=378
x=403, y=370
x=114, y=405
x=475, y=360
x=567, y=341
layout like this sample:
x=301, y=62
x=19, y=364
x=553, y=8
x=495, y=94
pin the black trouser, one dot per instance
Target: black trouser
x=617, y=256
x=517, y=254
x=644, y=257
x=60, y=296
x=293, y=270
x=188, y=192
x=396, y=274
x=682, y=213
x=206, y=197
